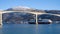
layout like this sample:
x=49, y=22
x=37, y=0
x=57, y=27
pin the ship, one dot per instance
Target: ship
x=42, y=21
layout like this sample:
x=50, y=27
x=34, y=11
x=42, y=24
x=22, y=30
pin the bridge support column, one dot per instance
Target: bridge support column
x=0, y=18
x=36, y=18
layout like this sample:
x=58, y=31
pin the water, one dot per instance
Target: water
x=30, y=29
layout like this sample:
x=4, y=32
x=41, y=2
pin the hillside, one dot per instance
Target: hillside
x=18, y=17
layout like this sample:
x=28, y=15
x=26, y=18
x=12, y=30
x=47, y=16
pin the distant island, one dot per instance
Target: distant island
x=23, y=18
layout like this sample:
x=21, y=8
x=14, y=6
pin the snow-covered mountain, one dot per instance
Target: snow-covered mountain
x=20, y=8
x=24, y=8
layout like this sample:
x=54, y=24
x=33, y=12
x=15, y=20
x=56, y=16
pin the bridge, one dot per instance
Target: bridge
x=36, y=13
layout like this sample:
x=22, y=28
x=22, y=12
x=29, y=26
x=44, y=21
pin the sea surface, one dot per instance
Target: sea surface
x=30, y=29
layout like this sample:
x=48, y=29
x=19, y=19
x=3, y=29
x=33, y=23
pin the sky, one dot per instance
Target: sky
x=37, y=4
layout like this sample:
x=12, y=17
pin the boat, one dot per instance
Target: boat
x=42, y=21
